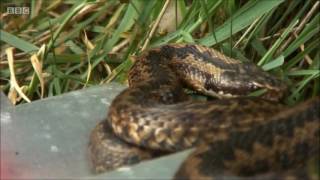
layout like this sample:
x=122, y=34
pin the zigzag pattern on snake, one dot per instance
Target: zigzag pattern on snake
x=236, y=136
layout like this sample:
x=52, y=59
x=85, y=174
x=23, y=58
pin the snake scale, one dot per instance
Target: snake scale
x=236, y=136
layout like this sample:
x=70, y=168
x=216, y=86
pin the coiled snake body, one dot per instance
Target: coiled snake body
x=238, y=137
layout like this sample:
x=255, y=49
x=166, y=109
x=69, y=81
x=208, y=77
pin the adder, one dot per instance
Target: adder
x=235, y=136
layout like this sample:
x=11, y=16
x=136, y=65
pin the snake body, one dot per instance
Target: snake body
x=235, y=137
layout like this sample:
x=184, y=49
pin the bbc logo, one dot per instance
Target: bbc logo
x=18, y=10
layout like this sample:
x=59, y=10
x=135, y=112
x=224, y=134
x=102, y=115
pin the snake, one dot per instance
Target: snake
x=235, y=135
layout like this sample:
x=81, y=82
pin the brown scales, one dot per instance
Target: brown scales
x=155, y=112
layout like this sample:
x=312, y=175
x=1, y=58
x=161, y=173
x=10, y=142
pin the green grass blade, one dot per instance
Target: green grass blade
x=243, y=18
x=17, y=42
x=274, y=64
x=267, y=57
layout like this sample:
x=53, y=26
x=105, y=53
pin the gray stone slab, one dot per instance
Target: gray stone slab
x=48, y=139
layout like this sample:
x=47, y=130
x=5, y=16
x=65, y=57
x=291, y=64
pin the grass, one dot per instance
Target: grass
x=62, y=46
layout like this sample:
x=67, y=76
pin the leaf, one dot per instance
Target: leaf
x=267, y=57
x=274, y=64
x=13, y=80
x=17, y=42
x=240, y=20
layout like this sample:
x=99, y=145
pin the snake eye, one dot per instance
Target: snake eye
x=255, y=85
x=221, y=93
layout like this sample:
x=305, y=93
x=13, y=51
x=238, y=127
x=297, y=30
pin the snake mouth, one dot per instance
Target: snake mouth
x=271, y=85
x=273, y=93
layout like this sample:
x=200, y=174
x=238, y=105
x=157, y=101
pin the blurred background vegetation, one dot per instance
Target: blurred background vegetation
x=60, y=46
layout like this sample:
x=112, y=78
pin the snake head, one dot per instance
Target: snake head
x=241, y=79
x=254, y=78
